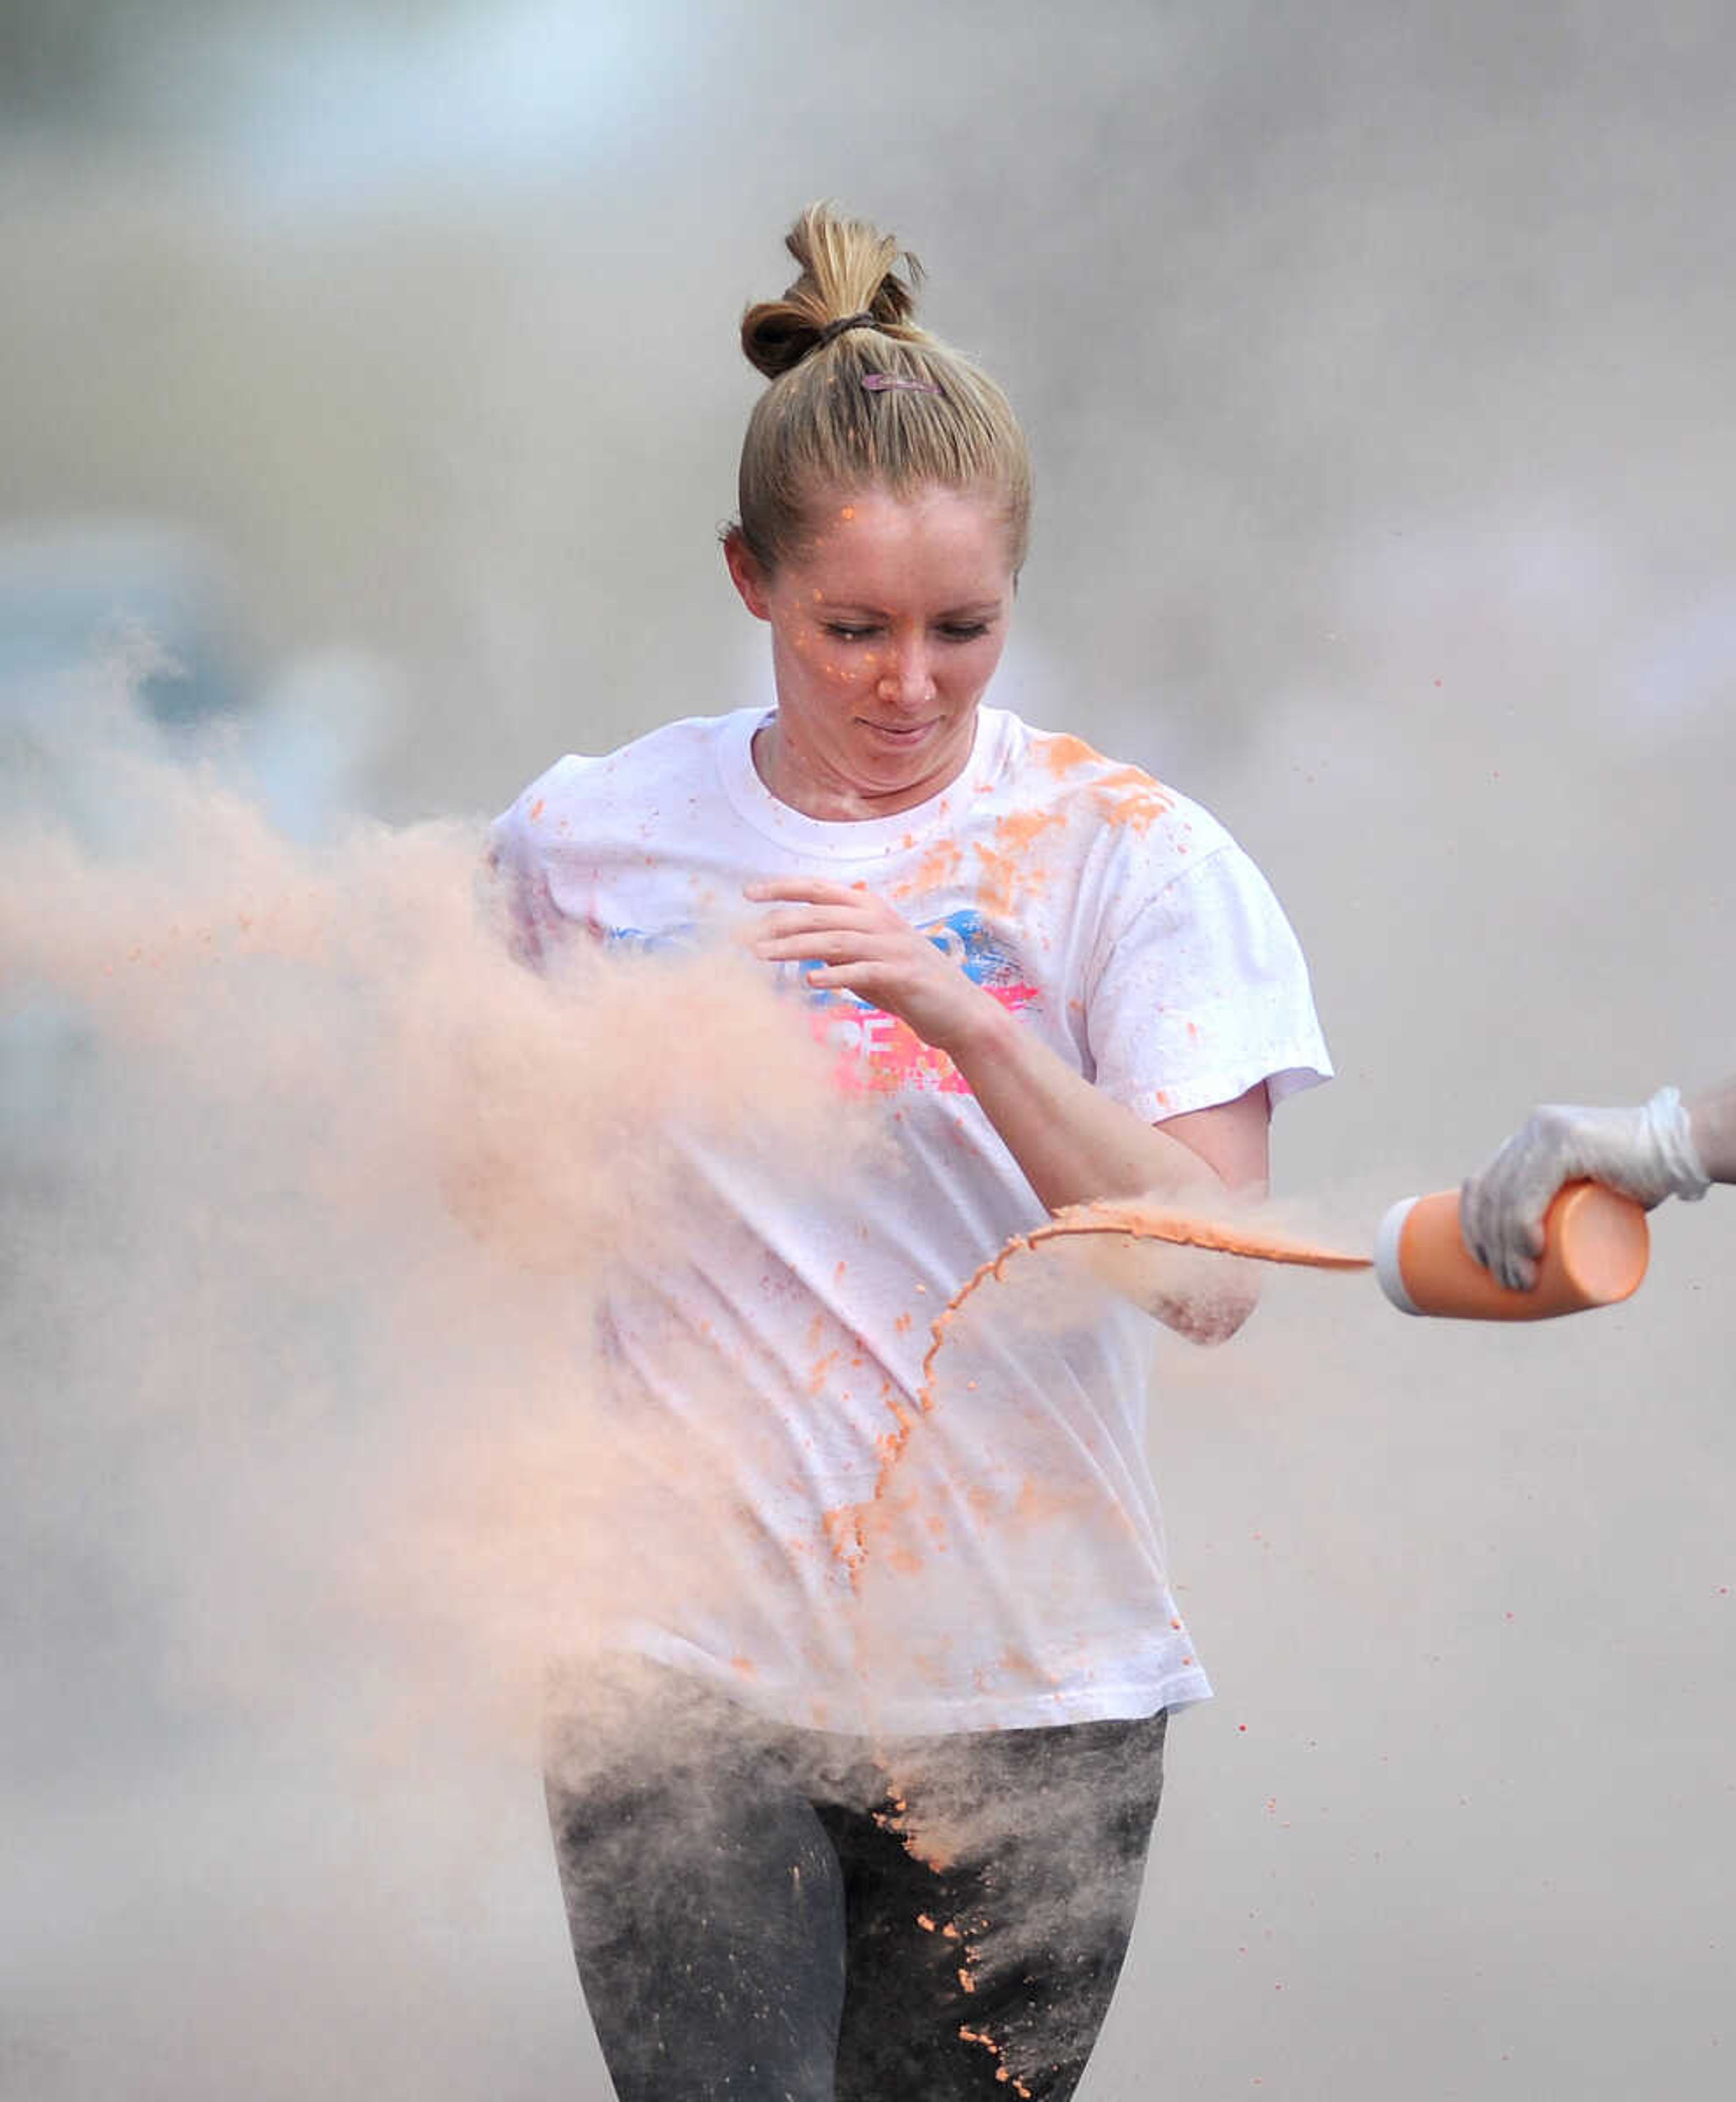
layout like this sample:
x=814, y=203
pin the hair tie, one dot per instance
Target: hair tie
x=838, y=328
x=878, y=382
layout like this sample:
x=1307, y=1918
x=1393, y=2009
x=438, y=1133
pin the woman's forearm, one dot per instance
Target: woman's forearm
x=1071, y=1138
x=1074, y=1142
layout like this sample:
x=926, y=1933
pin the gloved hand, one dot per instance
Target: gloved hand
x=1646, y=1153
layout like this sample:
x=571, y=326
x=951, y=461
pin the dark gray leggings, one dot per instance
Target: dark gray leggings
x=777, y=1915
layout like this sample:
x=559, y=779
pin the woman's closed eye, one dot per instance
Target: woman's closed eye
x=949, y=631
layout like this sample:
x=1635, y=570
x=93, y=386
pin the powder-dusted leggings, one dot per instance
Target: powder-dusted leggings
x=773, y=1915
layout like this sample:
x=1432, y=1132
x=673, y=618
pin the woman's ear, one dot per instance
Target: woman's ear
x=746, y=573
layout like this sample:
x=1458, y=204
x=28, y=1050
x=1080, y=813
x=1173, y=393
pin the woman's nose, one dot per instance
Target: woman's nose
x=906, y=682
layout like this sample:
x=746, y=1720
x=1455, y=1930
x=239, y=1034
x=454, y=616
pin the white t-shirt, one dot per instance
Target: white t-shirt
x=1010, y=1570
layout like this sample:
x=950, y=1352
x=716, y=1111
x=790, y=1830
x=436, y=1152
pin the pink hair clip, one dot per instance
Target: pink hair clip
x=878, y=382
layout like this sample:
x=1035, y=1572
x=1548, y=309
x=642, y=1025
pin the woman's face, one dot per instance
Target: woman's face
x=885, y=629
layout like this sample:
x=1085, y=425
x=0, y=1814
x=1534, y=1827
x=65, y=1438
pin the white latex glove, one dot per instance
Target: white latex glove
x=1646, y=1153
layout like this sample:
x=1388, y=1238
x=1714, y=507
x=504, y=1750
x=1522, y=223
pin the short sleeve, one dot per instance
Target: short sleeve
x=1202, y=993
x=516, y=885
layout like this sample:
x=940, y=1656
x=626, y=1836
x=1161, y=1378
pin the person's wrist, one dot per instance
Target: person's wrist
x=1711, y=1126
x=984, y=1029
x=1679, y=1157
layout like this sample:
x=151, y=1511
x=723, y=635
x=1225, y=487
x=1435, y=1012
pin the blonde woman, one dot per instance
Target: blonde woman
x=823, y=1862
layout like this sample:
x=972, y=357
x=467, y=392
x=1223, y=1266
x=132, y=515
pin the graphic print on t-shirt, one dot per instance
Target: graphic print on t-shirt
x=877, y=1053
x=779, y=1345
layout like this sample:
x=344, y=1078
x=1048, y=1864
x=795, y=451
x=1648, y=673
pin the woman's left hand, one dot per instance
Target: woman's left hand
x=863, y=945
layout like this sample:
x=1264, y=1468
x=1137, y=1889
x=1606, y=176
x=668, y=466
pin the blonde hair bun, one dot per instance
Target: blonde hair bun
x=848, y=267
x=861, y=396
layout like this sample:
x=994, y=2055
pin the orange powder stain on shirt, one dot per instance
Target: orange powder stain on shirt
x=1006, y=870
x=997, y=879
x=938, y=866
x=1131, y=798
x=843, y=1527
x=1017, y=1664
x=890, y=1442
x=1016, y=832
x=1125, y=795
x=1037, y=1502
x=1062, y=754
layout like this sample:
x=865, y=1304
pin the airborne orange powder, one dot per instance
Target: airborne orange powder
x=846, y=1526
x=1137, y=1222
x=1127, y=1221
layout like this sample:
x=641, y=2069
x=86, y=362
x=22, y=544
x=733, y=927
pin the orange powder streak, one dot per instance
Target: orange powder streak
x=1124, y=1221
x=1136, y=1222
x=846, y=1526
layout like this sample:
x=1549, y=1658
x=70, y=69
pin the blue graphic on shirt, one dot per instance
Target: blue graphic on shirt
x=968, y=940
x=652, y=941
x=877, y=1050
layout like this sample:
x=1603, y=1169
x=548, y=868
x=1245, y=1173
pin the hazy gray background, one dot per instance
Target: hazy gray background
x=1377, y=361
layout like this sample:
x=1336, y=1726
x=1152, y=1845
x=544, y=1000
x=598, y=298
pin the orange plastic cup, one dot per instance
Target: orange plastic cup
x=1596, y=1247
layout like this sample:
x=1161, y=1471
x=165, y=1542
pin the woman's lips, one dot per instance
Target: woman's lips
x=898, y=733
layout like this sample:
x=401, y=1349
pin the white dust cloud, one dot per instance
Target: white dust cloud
x=312, y=1464
x=304, y=1456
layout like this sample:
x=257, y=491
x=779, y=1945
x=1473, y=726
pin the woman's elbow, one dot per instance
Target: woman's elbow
x=1211, y=1314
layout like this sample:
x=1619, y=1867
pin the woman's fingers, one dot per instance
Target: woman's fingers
x=818, y=920
x=835, y=945
x=875, y=981
x=806, y=891
x=849, y=940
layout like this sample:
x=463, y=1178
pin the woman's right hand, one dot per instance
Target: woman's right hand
x=862, y=945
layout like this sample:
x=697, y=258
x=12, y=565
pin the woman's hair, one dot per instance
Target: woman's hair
x=818, y=427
